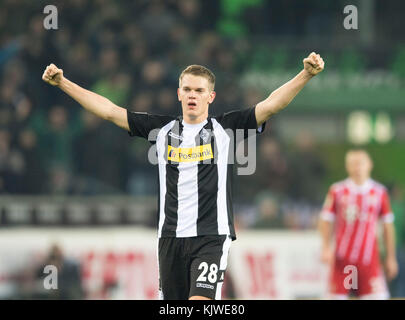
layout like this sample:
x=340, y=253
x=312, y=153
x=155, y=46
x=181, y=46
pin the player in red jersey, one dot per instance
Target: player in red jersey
x=350, y=215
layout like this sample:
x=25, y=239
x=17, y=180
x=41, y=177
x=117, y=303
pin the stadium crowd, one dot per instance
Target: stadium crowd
x=132, y=52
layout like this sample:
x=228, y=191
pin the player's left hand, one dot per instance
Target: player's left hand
x=313, y=64
x=391, y=268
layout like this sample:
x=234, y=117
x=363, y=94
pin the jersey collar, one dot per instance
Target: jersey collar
x=182, y=124
x=366, y=186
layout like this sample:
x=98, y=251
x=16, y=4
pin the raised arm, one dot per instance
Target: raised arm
x=282, y=96
x=91, y=101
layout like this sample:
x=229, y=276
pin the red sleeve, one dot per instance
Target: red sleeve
x=386, y=212
x=329, y=206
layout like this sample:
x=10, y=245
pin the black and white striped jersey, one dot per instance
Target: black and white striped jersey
x=195, y=174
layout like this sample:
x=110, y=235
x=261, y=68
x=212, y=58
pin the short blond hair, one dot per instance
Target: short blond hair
x=201, y=71
x=358, y=151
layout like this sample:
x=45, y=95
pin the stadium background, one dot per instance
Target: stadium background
x=70, y=180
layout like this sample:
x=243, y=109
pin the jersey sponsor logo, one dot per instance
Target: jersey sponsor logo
x=373, y=199
x=175, y=136
x=198, y=153
x=204, y=135
x=351, y=213
x=204, y=285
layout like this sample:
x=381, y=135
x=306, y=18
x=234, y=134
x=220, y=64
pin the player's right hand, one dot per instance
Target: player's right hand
x=313, y=64
x=52, y=75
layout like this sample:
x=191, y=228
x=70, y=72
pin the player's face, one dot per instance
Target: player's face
x=358, y=166
x=195, y=95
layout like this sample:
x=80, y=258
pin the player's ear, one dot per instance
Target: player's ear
x=213, y=94
x=346, y=166
x=371, y=164
x=178, y=94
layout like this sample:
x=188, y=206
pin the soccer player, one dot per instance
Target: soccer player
x=353, y=208
x=195, y=225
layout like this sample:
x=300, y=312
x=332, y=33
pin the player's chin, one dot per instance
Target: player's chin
x=193, y=112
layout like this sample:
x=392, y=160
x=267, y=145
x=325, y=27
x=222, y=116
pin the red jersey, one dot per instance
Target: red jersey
x=356, y=211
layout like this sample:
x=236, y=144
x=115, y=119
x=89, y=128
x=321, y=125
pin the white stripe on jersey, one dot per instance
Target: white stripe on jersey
x=187, y=186
x=160, y=292
x=187, y=212
x=222, y=265
x=160, y=148
x=223, y=142
x=370, y=241
x=344, y=244
x=363, y=221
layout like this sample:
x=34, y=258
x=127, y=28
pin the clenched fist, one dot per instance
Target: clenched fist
x=52, y=75
x=313, y=64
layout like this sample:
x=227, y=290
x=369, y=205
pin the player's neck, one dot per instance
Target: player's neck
x=359, y=181
x=195, y=120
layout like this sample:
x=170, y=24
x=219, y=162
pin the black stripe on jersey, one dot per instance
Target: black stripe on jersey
x=207, y=221
x=172, y=178
x=229, y=200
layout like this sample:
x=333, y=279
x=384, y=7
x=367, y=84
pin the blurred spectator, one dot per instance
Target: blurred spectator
x=56, y=136
x=273, y=167
x=153, y=74
x=97, y=141
x=137, y=55
x=108, y=62
x=251, y=96
x=205, y=49
x=75, y=14
x=167, y=101
x=142, y=178
x=307, y=170
x=80, y=55
x=142, y=102
x=11, y=165
x=157, y=32
x=269, y=213
x=60, y=180
x=193, y=13
x=34, y=172
x=7, y=93
x=115, y=87
x=69, y=282
x=299, y=215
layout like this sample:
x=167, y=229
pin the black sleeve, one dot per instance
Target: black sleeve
x=142, y=124
x=240, y=119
